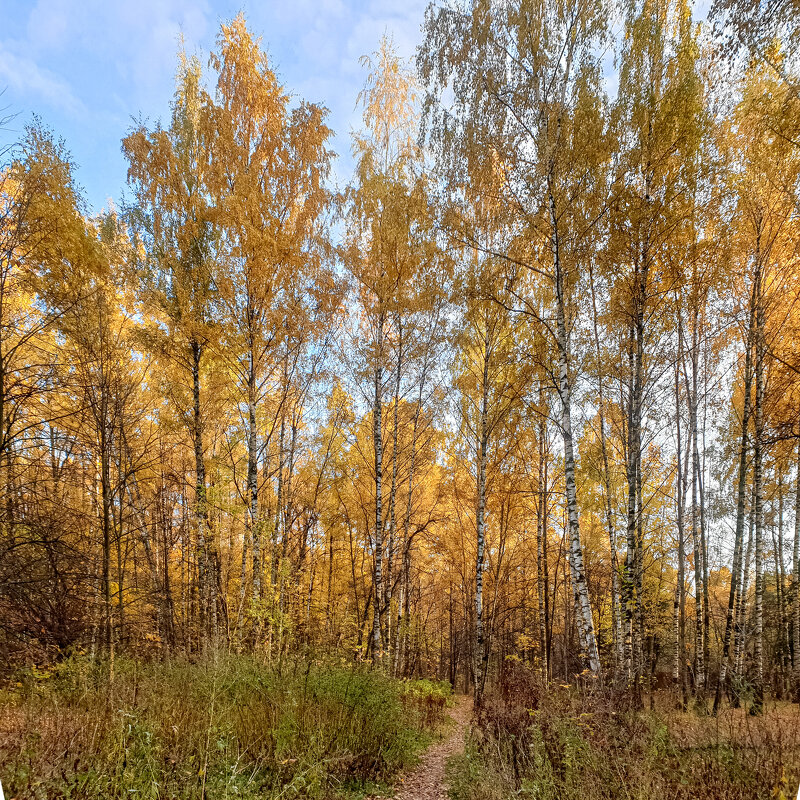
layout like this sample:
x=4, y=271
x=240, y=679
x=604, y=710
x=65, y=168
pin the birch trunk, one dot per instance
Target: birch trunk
x=703, y=535
x=734, y=596
x=699, y=644
x=377, y=413
x=758, y=491
x=541, y=550
x=252, y=479
x=680, y=644
x=207, y=577
x=628, y=583
x=392, y=500
x=634, y=556
x=777, y=558
x=796, y=584
x=585, y=622
x=481, y=655
x=780, y=571
x=616, y=616
x=740, y=641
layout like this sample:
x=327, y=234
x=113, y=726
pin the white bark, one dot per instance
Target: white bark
x=586, y=634
x=377, y=413
x=481, y=655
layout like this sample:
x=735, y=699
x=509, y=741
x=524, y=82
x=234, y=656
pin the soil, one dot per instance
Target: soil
x=427, y=781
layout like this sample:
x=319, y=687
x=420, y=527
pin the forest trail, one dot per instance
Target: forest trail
x=426, y=781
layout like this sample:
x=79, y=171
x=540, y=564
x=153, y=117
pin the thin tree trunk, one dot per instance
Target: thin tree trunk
x=796, y=584
x=251, y=530
x=207, y=576
x=639, y=576
x=287, y=527
x=740, y=641
x=700, y=634
x=278, y=516
x=734, y=596
x=164, y=604
x=634, y=556
x=758, y=490
x=392, y=499
x=377, y=413
x=777, y=542
x=481, y=653
x=118, y=522
x=703, y=535
x=252, y=480
x=616, y=614
x=541, y=533
x=585, y=621
x=780, y=573
x=680, y=649
x=629, y=583
x=401, y=611
x=105, y=490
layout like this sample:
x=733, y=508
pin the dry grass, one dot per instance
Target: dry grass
x=565, y=743
x=230, y=729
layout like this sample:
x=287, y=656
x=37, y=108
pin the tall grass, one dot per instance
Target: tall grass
x=565, y=743
x=228, y=729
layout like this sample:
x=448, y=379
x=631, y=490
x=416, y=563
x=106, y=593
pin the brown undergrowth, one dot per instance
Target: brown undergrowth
x=230, y=728
x=564, y=742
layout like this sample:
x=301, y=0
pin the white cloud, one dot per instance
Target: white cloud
x=98, y=63
x=147, y=35
x=23, y=76
x=49, y=25
x=135, y=41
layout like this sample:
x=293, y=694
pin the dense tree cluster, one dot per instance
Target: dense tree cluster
x=527, y=388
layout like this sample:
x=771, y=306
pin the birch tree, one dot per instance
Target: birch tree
x=524, y=78
x=387, y=245
x=268, y=165
x=167, y=172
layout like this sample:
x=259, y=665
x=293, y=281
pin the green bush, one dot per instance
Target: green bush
x=229, y=729
x=426, y=700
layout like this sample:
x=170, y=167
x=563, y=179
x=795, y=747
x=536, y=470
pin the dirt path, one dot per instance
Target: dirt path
x=426, y=782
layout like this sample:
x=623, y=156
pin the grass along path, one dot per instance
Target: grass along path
x=215, y=728
x=426, y=781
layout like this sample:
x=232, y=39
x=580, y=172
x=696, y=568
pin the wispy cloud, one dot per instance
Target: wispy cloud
x=90, y=67
x=23, y=76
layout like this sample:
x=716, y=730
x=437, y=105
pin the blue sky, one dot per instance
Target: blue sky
x=88, y=67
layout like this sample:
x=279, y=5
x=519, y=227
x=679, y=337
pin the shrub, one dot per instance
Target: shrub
x=570, y=743
x=427, y=700
x=232, y=728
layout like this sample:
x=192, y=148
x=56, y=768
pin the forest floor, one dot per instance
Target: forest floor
x=225, y=727
x=565, y=742
x=427, y=780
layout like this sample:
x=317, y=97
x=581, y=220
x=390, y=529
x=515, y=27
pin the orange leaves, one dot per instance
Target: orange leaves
x=268, y=165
